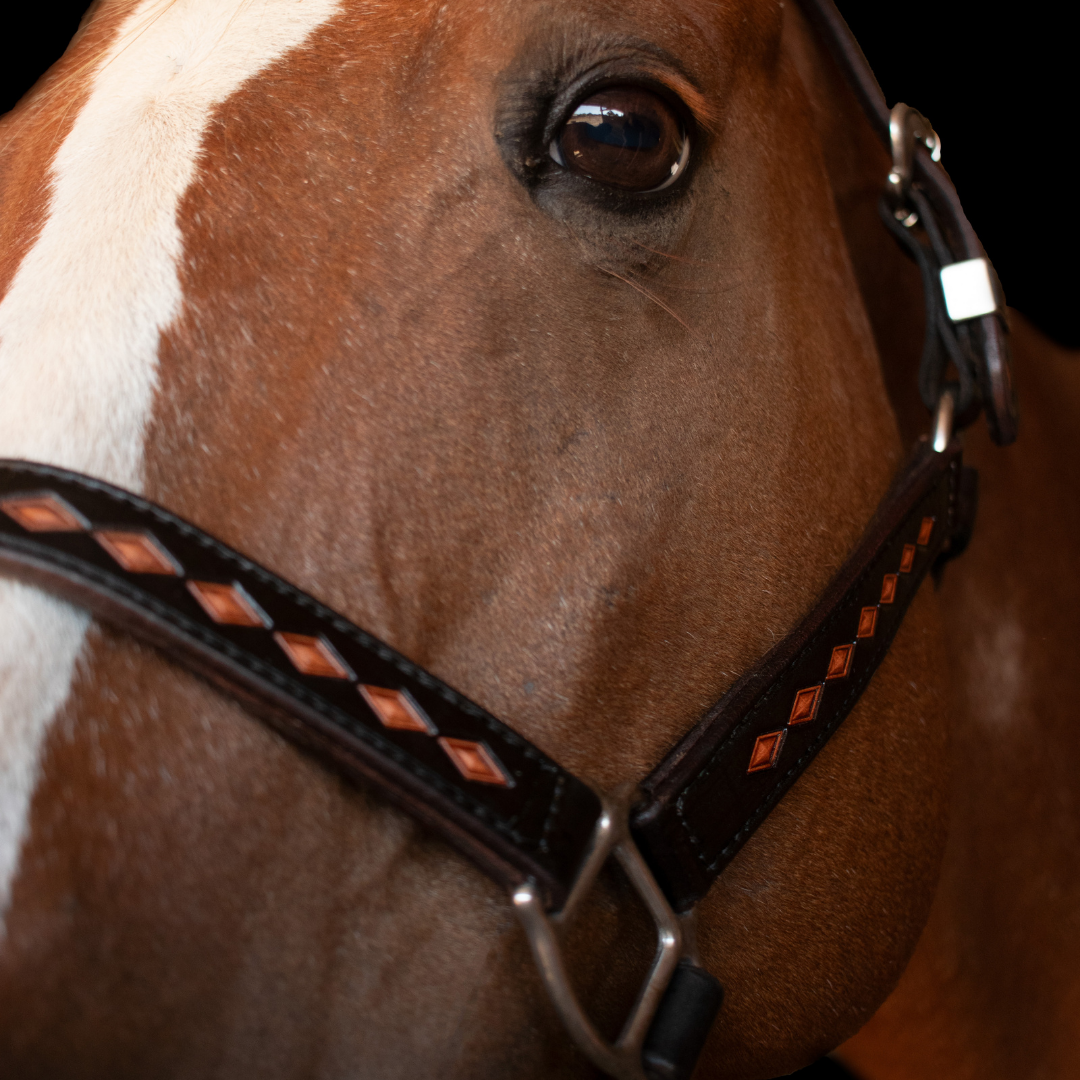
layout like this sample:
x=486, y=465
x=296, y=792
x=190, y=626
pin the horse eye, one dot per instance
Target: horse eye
x=626, y=137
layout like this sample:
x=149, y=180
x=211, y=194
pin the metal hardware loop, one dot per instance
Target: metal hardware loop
x=906, y=127
x=621, y=1059
x=943, y=420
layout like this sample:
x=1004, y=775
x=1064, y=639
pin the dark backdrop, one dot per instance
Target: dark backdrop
x=994, y=88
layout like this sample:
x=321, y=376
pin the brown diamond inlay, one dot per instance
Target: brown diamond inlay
x=475, y=761
x=867, y=621
x=907, y=559
x=888, y=588
x=840, y=662
x=44, y=513
x=228, y=604
x=137, y=552
x=925, y=529
x=396, y=709
x=806, y=704
x=766, y=751
x=312, y=655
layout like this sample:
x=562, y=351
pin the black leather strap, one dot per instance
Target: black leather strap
x=706, y=798
x=521, y=816
x=988, y=335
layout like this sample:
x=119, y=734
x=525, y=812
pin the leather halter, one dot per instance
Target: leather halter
x=373, y=715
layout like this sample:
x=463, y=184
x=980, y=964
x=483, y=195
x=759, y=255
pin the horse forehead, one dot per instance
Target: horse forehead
x=390, y=109
x=96, y=283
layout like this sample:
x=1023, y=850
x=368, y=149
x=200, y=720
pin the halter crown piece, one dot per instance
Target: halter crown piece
x=541, y=832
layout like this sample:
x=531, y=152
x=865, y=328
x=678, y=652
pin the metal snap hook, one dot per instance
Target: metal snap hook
x=906, y=127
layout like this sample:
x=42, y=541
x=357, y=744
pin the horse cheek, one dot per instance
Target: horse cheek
x=811, y=926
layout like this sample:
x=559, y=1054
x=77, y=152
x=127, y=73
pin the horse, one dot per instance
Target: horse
x=323, y=277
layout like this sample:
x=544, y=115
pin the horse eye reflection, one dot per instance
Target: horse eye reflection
x=625, y=137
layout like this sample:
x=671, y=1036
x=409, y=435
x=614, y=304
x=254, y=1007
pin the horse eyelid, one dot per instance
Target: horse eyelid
x=703, y=113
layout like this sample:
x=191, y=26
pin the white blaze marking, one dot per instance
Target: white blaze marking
x=80, y=324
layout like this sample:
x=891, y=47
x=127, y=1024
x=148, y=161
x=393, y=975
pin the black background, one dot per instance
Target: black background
x=996, y=87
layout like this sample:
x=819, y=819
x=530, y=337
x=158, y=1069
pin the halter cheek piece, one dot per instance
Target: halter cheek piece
x=370, y=713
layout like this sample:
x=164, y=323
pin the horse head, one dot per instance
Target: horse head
x=354, y=287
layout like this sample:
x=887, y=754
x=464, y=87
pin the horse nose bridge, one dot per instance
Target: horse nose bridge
x=588, y=613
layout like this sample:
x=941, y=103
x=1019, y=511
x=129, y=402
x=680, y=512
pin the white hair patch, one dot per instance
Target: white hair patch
x=82, y=319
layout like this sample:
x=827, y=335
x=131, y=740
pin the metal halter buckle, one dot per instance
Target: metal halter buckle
x=621, y=1059
x=906, y=127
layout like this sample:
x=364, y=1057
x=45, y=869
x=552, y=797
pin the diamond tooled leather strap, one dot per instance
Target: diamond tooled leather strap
x=703, y=802
x=320, y=680
x=373, y=714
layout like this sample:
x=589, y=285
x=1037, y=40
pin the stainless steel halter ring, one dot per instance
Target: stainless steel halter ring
x=621, y=1059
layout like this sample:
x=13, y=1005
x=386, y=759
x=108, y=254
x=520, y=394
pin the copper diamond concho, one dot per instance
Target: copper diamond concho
x=228, y=604
x=43, y=512
x=475, y=761
x=907, y=559
x=806, y=704
x=312, y=655
x=137, y=552
x=840, y=662
x=766, y=750
x=888, y=588
x=396, y=709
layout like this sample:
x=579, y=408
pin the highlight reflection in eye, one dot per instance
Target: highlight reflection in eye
x=626, y=137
